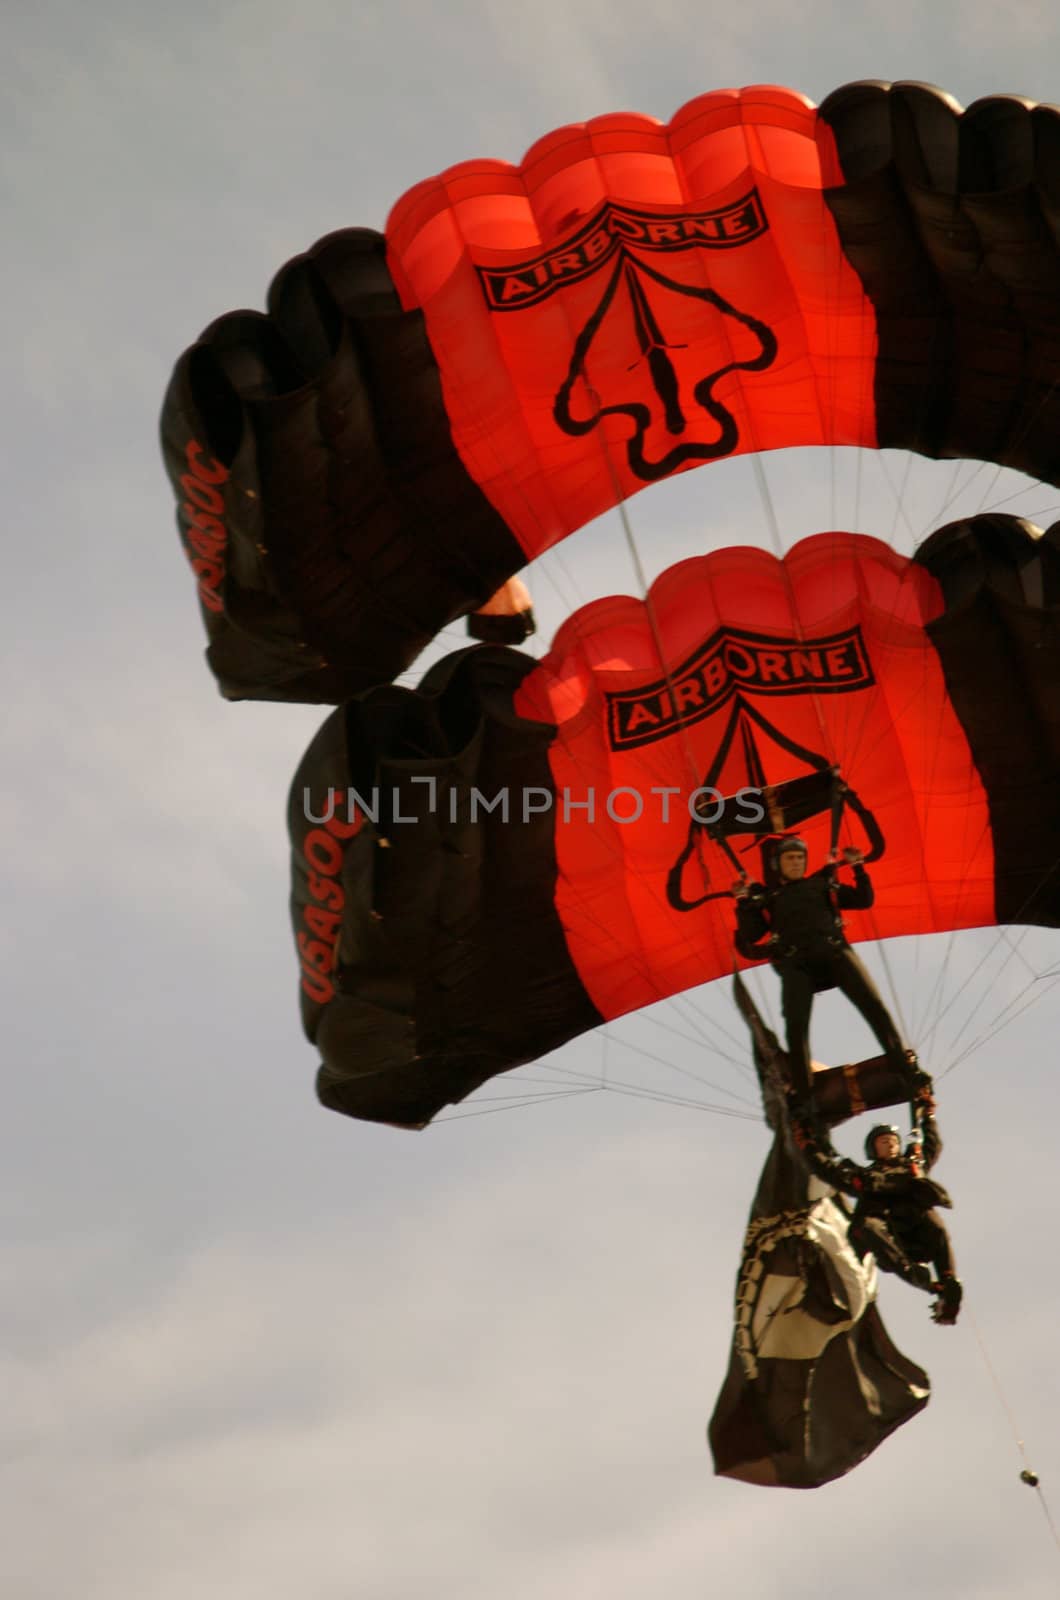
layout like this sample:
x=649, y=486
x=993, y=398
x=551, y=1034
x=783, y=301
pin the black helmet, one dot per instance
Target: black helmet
x=782, y=847
x=881, y=1127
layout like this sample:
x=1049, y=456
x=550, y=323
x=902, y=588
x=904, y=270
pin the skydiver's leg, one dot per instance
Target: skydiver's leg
x=796, y=1003
x=929, y=1241
x=854, y=982
x=890, y=1252
x=933, y=1244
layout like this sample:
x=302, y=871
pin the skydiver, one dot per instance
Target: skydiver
x=894, y=1216
x=797, y=925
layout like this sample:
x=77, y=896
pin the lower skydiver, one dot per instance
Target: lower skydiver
x=795, y=923
x=894, y=1215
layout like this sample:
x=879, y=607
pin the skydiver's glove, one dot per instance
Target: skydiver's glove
x=921, y=1083
x=950, y=1294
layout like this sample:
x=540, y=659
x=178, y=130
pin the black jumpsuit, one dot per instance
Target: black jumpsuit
x=894, y=1216
x=807, y=947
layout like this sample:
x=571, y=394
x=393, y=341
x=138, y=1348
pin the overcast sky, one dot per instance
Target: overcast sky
x=252, y=1350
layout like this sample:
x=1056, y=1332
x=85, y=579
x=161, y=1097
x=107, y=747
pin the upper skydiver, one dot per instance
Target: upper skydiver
x=795, y=923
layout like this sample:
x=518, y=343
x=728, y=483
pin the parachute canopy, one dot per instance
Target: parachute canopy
x=533, y=848
x=422, y=412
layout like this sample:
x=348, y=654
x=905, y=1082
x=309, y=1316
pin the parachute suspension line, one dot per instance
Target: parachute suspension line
x=929, y=1014
x=684, y=1072
x=518, y=1102
x=951, y=496
x=895, y=996
x=899, y=502
x=768, y=506
x=1027, y=1475
x=994, y=943
x=778, y=545
x=649, y=609
x=621, y=505
x=699, y=1042
x=513, y=1103
x=897, y=492
x=583, y=1081
x=1002, y=1021
x=1045, y=511
x=1014, y=946
x=676, y=1000
x=704, y=1039
x=966, y=1024
x=771, y=516
x=553, y=555
x=934, y=998
x=775, y=535
x=653, y=623
x=930, y=750
x=579, y=1082
x=774, y=527
x=935, y=1007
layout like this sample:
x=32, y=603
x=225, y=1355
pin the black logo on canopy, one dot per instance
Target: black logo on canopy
x=731, y=661
x=647, y=302
x=779, y=806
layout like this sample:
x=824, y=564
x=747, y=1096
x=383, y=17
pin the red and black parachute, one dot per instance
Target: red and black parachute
x=521, y=860
x=422, y=412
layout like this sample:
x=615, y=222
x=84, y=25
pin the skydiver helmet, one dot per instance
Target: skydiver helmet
x=783, y=846
x=874, y=1134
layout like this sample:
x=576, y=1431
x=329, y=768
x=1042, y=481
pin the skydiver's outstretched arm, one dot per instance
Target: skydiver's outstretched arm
x=932, y=1145
x=820, y=1156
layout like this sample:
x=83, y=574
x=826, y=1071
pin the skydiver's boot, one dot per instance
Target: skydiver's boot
x=950, y=1292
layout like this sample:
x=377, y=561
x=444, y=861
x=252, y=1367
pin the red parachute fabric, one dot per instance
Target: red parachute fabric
x=636, y=299
x=772, y=669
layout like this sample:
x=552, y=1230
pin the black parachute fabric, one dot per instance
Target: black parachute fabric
x=324, y=509
x=999, y=643
x=373, y=457
x=815, y=1383
x=431, y=949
